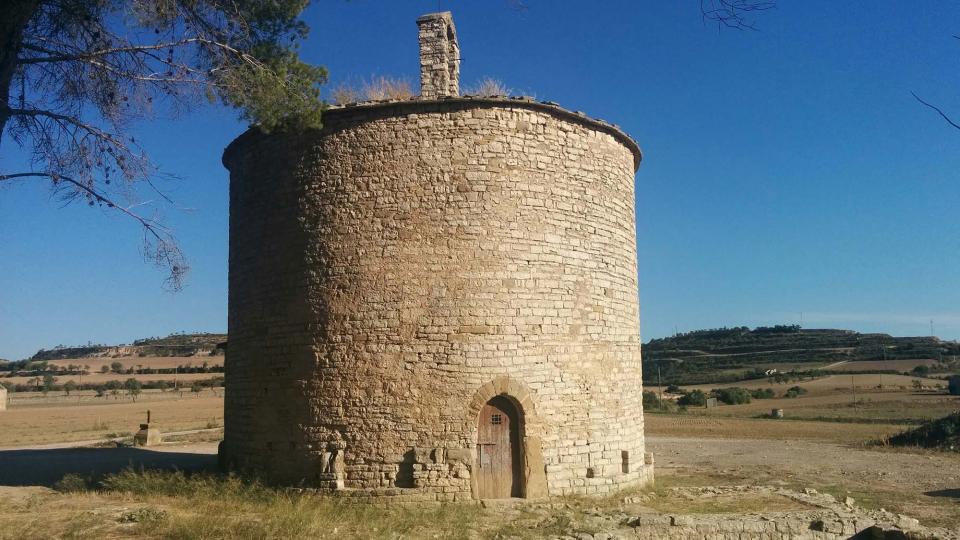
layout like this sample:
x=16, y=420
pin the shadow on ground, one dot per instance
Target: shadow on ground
x=948, y=493
x=46, y=467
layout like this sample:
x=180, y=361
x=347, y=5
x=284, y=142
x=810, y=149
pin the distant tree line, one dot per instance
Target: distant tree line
x=733, y=395
x=131, y=386
x=40, y=368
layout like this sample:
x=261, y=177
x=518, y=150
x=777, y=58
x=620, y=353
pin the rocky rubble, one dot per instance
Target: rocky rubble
x=822, y=517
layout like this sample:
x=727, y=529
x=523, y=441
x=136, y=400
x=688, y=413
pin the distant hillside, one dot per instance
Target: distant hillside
x=730, y=353
x=172, y=345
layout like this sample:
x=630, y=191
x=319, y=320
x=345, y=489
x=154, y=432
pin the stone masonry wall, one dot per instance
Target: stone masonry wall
x=395, y=270
x=439, y=56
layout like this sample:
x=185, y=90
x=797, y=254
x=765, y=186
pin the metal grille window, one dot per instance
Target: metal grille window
x=496, y=419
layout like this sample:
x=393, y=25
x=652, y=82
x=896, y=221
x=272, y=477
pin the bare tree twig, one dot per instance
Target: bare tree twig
x=934, y=107
x=163, y=251
x=733, y=13
x=155, y=228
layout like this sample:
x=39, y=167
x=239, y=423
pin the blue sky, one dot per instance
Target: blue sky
x=786, y=171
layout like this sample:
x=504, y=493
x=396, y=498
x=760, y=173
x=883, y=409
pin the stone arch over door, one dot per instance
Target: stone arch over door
x=533, y=478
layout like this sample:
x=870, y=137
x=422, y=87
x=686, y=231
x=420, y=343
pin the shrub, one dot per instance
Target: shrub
x=795, y=391
x=763, y=393
x=650, y=400
x=942, y=433
x=732, y=396
x=143, y=515
x=343, y=94
x=920, y=371
x=674, y=389
x=72, y=483
x=695, y=398
x=133, y=387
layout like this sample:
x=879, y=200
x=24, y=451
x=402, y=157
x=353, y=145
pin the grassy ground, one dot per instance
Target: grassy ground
x=685, y=425
x=171, y=505
x=891, y=408
x=899, y=365
x=165, y=505
x=175, y=506
x=834, y=384
x=878, y=399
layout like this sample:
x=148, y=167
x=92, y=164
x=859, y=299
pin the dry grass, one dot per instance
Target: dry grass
x=344, y=94
x=833, y=384
x=40, y=425
x=375, y=89
x=665, y=425
x=172, y=505
x=890, y=404
x=379, y=88
x=899, y=365
x=668, y=501
x=486, y=87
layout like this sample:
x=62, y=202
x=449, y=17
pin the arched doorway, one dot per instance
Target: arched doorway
x=499, y=450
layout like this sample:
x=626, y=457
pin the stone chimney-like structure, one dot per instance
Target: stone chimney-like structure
x=439, y=56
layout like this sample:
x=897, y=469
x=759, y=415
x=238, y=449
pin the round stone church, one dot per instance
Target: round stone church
x=436, y=299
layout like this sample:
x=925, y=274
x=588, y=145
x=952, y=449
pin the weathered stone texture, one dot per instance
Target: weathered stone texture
x=439, y=56
x=392, y=272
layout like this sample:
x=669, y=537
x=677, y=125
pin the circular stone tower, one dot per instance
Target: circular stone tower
x=436, y=298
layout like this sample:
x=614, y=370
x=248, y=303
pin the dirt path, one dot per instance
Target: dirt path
x=835, y=364
x=923, y=484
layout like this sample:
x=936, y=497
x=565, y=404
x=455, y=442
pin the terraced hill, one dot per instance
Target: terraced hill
x=172, y=345
x=727, y=354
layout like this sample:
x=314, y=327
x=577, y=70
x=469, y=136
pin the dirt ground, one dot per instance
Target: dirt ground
x=690, y=450
x=924, y=485
x=21, y=426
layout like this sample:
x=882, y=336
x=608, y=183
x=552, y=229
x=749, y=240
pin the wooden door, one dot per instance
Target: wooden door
x=498, y=452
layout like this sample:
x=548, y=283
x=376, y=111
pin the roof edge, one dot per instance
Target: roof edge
x=403, y=106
